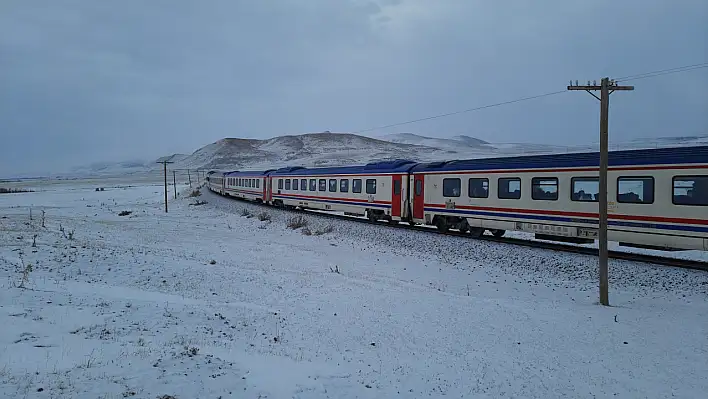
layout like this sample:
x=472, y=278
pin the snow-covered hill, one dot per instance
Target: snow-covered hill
x=455, y=143
x=314, y=149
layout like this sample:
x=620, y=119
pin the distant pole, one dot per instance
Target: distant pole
x=606, y=88
x=164, y=164
x=174, y=184
x=189, y=176
x=198, y=183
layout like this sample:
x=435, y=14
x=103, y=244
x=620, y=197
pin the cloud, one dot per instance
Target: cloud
x=85, y=81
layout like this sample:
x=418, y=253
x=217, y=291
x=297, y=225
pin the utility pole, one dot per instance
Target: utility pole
x=189, y=176
x=606, y=88
x=164, y=163
x=174, y=182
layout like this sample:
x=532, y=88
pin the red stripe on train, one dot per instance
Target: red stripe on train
x=293, y=196
x=578, y=214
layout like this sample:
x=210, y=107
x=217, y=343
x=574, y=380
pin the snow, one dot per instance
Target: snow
x=202, y=302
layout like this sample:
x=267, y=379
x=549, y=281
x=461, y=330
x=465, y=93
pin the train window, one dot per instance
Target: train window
x=356, y=185
x=371, y=186
x=248, y=182
x=253, y=182
x=323, y=184
x=585, y=189
x=690, y=190
x=344, y=185
x=544, y=188
x=280, y=184
x=478, y=188
x=509, y=188
x=287, y=184
x=635, y=190
x=396, y=187
x=295, y=183
x=333, y=185
x=451, y=187
x=313, y=184
x=303, y=184
x=257, y=183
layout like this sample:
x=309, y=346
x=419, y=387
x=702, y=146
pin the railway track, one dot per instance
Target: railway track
x=620, y=255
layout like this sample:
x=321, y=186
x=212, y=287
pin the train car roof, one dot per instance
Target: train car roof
x=675, y=155
x=394, y=166
x=249, y=173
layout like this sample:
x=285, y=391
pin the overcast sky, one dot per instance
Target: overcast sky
x=84, y=80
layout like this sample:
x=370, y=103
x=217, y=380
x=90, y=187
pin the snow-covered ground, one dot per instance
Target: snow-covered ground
x=202, y=302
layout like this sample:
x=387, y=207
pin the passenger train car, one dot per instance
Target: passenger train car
x=249, y=185
x=657, y=198
x=376, y=190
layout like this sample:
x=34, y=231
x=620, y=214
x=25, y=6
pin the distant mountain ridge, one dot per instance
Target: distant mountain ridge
x=332, y=149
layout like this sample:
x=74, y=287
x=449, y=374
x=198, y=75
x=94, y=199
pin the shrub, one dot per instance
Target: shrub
x=263, y=216
x=195, y=193
x=297, y=222
x=327, y=229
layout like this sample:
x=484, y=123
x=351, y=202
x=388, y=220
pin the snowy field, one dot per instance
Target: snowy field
x=205, y=303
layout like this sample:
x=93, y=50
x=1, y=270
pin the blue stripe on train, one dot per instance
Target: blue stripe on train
x=362, y=204
x=574, y=220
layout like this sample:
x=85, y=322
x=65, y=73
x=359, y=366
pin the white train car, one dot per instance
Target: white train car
x=215, y=181
x=657, y=198
x=248, y=185
x=377, y=190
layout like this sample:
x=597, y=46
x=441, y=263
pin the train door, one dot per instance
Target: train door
x=265, y=192
x=418, y=196
x=396, y=196
x=269, y=194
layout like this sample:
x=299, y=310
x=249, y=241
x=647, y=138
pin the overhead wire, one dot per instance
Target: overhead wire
x=462, y=111
x=669, y=71
x=645, y=75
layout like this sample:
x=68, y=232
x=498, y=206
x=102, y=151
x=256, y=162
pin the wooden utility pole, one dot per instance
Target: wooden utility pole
x=174, y=182
x=164, y=163
x=189, y=176
x=606, y=88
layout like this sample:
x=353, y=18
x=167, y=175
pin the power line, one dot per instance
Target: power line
x=663, y=72
x=461, y=112
x=684, y=68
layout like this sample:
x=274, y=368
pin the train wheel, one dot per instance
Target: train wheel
x=498, y=233
x=441, y=224
x=476, y=232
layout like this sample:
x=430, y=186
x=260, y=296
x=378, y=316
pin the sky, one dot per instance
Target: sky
x=84, y=81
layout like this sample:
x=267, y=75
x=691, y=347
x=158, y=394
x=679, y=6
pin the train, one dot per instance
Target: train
x=657, y=198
